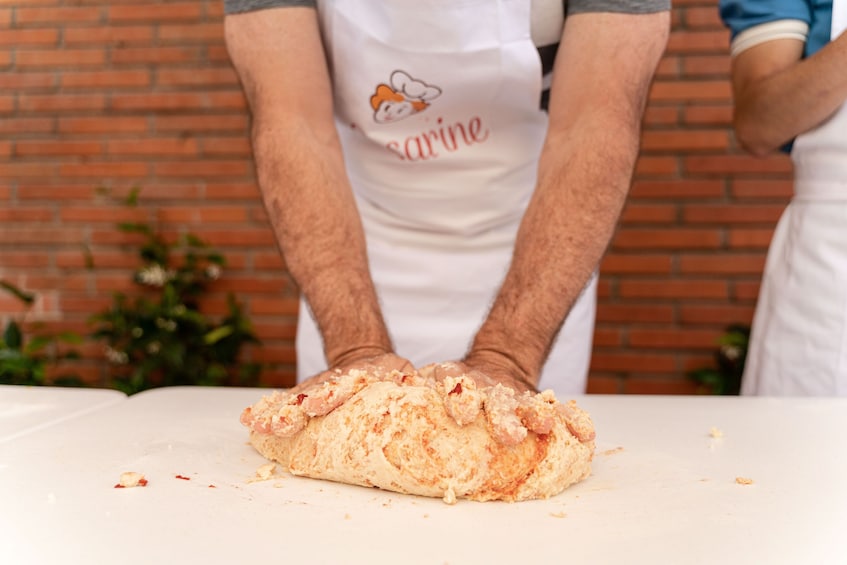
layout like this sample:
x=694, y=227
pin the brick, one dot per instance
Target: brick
x=164, y=147
x=723, y=264
x=103, y=260
x=27, y=126
x=649, y=214
x=678, y=189
x=782, y=189
x=28, y=81
x=203, y=123
x=713, y=115
x=266, y=261
x=635, y=314
x=700, y=289
x=63, y=58
x=683, y=238
x=668, y=68
x=7, y=104
x=159, y=101
x=155, y=55
x=607, y=337
x=276, y=331
x=668, y=385
x=234, y=146
x=98, y=125
x=23, y=259
x=683, y=141
x=749, y=238
x=105, y=79
x=688, y=91
x=40, y=234
x=706, y=66
x=99, y=214
x=736, y=164
x=55, y=192
x=98, y=170
x=19, y=214
x=240, y=238
x=232, y=191
x=155, y=12
x=157, y=190
x=57, y=148
x=217, y=54
x=112, y=35
x=61, y=102
x=604, y=385
x=649, y=166
x=661, y=116
x=63, y=15
x=731, y=214
x=626, y=362
x=702, y=17
x=197, y=77
x=28, y=37
x=687, y=42
x=678, y=337
x=216, y=168
x=183, y=33
x=745, y=290
x=641, y=263
x=26, y=170
x=715, y=314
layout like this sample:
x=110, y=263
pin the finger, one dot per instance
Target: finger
x=461, y=398
x=578, y=421
x=537, y=411
x=322, y=399
x=501, y=411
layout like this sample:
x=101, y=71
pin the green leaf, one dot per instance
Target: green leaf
x=12, y=337
x=217, y=334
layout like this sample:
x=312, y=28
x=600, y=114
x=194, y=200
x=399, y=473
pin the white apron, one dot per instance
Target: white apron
x=437, y=107
x=799, y=335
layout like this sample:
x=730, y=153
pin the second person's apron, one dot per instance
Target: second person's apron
x=799, y=339
x=437, y=107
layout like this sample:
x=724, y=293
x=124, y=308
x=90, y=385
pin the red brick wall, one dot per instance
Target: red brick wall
x=129, y=93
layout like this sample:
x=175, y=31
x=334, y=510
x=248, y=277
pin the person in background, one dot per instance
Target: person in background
x=444, y=177
x=789, y=84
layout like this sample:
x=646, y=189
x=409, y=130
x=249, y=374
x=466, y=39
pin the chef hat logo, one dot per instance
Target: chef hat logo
x=401, y=98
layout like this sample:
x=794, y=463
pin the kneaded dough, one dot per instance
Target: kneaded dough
x=401, y=438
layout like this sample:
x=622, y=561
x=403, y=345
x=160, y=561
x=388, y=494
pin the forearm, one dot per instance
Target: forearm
x=563, y=235
x=585, y=170
x=772, y=110
x=317, y=226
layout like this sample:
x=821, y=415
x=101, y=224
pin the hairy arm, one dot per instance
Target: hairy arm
x=778, y=95
x=601, y=79
x=280, y=61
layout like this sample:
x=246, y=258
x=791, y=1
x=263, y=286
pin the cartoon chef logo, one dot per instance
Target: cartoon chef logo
x=401, y=98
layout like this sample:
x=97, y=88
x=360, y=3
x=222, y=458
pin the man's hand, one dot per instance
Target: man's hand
x=286, y=413
x=511, y=405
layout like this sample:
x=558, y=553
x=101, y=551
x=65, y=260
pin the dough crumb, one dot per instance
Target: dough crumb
x=131, y=479
x=715, y=432
x=743, y=481
x=558, y=514
x=612, y=451
x=449, y=496
x=264, y=473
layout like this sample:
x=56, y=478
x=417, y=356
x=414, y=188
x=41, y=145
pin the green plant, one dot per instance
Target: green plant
x=160, y=337
x=25, y=361
x=730, y=358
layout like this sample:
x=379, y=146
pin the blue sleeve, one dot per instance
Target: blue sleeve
x=740, y=15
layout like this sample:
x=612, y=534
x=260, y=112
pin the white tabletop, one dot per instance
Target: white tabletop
x=662, y=491
x=24, y=409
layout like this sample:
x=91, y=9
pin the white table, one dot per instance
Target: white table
x=668, y=495
x=24, y=409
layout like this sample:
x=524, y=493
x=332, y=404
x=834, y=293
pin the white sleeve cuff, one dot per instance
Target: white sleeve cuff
x=781, y=29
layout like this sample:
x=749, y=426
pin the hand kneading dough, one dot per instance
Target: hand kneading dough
x=400, y=437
